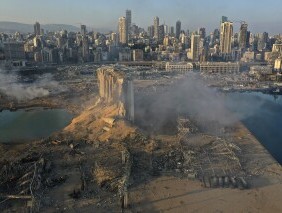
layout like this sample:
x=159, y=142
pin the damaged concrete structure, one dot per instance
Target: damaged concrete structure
x=115, y=87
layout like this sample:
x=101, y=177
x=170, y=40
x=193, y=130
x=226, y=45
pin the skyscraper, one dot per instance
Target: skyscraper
x=37, y=30
x=178, y=29
x=223, y=19
x=226, y=33
x=216, y=34
x=156, y=27
x=262, y=41
x=151, y=31
x=128, y=18
x=165, y=29
x=161, y=34
x=248, y=39
x=202, y=32
x=123, y=31
x=114, y=39
x=83, y=30
x=171, y=31
x=195, y=46
x=243, y=36
x=85, y=49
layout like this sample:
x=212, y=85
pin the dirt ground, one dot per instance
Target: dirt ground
x=171, y=194
x=85, y=168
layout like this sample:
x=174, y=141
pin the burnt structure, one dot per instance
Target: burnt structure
x=117, y=88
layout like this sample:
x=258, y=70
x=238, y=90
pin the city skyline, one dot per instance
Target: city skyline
x=260, y=17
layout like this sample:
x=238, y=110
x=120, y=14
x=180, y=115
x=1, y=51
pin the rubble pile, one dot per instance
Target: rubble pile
x=171, y=161
x=25, y=178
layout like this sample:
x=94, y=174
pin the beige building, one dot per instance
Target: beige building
x=248, y=56
x=220, y=67
x=195, y=47
x=123, y=31
x=277, y=48
x=226, y=33
x=278, y=64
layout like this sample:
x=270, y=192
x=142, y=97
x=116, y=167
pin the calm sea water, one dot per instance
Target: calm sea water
x=262, y=115
x=21, y=125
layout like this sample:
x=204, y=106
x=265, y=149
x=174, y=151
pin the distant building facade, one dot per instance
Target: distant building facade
x=14, y=50
x=226, y=33
x=123, y=31
x=195, y=47
x=156, y=27
x=37, y=30
x=182, y=67
x=243, y=36
x=178, y=29
x=220, y=67
x=137, y=55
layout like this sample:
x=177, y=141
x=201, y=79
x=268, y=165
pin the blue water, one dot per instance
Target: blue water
x=262, y=115
x=22, y=126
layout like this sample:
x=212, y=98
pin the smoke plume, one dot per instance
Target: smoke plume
x=190, y=97
x=12, y=87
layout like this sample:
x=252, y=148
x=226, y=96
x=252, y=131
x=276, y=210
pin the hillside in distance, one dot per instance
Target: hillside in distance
x=11, y=27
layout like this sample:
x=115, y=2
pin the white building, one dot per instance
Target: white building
x=182, y=67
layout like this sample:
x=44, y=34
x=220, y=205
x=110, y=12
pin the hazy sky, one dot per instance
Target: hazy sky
x=261, y=15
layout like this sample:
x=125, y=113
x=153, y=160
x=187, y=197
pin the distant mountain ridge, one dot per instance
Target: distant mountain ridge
x=11, y=27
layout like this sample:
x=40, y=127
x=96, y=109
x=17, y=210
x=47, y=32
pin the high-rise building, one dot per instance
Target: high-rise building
x=151, y=31
x=243, y=36
x=216, y=34
x=178, y=29
x=248, y=39
x=37, y=30
x=262, y=41
x=161, y=34
x=156, y=27
x=195, y=46
x=226, y=33
x=165, y=29
x=83, y=30
x=85, y=49
x=223, y=19
x=128, y=18
x=171, y=31
x=202, y=32
x=123, y=31
x=114, y=39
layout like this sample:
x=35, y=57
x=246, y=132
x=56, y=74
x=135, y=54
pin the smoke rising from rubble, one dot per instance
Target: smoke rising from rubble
x=41, y=87
x=192, y=97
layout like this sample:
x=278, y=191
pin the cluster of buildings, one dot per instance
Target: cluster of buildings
x=159, y=42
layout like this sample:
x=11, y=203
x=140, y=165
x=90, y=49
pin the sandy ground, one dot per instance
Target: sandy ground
x=171, y=194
